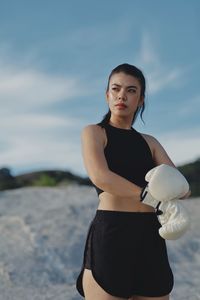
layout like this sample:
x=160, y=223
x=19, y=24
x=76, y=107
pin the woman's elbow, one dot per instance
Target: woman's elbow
x=99, y=178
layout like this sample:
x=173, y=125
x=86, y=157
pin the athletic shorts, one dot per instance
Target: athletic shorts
x=126, y=255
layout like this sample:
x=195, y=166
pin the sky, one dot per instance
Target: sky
x=55, y=59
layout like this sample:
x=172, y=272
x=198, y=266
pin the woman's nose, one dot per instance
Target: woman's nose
x=122, y=95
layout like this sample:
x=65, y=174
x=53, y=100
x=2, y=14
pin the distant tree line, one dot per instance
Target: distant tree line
x=192, y=172
x=39, y=178
x=63, y=178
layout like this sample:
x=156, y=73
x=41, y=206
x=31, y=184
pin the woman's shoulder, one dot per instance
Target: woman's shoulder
x=93, y=127
x=93, y=130
x=151, y=140
x=158, y=152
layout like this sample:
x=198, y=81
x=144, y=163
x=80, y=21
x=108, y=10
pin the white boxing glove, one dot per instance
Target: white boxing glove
x=174, y=220
x=164, y=183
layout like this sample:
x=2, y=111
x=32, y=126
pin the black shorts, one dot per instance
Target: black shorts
x=126, y=255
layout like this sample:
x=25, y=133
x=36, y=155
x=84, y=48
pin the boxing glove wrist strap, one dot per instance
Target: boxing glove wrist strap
x=146, y=198
x=144, y=192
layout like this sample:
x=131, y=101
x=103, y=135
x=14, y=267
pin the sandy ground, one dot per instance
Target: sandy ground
x=43, y=232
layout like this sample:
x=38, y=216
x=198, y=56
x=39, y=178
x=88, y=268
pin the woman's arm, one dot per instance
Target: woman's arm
x=160, y=156
x=92, y=139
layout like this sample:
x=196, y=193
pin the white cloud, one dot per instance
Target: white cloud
x=24, y=89
x=31, y=138
x=158, y=74
x=147, y=53
x=32, y=144
x=38, y=149
x=35, y=123
x=182, y=146
x=159, y=80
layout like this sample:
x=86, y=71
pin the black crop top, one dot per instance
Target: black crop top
x=127, y=154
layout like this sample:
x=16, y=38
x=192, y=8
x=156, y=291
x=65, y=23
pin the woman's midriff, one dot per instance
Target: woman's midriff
x=110, y=202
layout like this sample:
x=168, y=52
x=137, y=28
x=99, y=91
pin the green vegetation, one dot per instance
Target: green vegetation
x=192, y=173
x=44, y=180
x=40, y=178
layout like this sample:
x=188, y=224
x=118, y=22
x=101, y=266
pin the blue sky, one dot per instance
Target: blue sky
x=56, y=56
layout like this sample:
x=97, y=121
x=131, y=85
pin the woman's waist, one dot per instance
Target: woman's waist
x=114, y=203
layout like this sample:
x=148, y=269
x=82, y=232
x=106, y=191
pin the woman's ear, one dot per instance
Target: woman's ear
x=106, y=96
x=141, y=101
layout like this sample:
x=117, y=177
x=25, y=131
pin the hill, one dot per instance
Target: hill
x=62, y=178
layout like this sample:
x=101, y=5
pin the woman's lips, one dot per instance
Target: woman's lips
x=121, y=106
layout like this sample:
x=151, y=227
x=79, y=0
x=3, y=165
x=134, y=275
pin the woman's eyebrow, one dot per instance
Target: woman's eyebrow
x=129, y=86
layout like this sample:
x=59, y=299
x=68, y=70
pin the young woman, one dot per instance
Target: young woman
x=124, y=255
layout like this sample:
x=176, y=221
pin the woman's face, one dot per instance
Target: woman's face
x=124, y=89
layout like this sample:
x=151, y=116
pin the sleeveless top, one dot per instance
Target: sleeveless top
x=127, y=154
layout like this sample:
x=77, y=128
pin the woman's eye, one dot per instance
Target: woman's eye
x=114, y=89
x=132, y=91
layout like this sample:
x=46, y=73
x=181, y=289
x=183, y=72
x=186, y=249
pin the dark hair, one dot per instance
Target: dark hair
x=135, y=72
